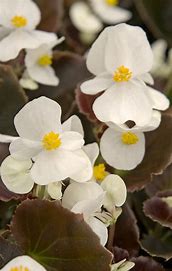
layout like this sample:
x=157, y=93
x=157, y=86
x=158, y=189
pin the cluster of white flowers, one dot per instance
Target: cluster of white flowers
x=47, y=152
x=121, y=59
x=89, y=19
x=17, y=32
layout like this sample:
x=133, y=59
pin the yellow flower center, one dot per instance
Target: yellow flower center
x=45, y=60
x=51, y=141
x=19, y=21
x=129, y=138
x=19, y=268
x=112, y=2
x=122, y=74
x=99, y=172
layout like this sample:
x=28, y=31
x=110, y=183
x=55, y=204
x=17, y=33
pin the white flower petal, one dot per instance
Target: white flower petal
x=24, y=149
x=51, y=166
x=16, y=175
x=110, y=14
x=98, y=84
x=4, y=32
x=77, y=192
x=27, y=9
x=55, y=190
x=100, y=229
x=152, y=125
x=73, y=124
x=19, y=39
x=123, y=102
x=128, y=46
x=43, y=75
x=92, y=151
x=86, y=172
x=71, y=141
x=89, y=207
x=28, y=83
x=25, y=262
x=83, y=19
x=37, y=118
x=119, y=155
x=159, y=100
x=116, y=191
x=96, y=55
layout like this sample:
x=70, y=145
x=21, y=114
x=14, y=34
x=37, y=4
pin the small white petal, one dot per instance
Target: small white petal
x=24, y=149
x=73, y=124
x=16, y=175
x=83, y=19
x=100, y=229
x=147, y=78
x=43, y=75
x=98, y=84
x=159, y=100
x=116, y=191
x=71, y=141
x=120, y=155
x=110, y=14
x=128, y=46
x=37, y=118
x=123, y=102
x=77, y=192
x=92, y=151
x=51, y=166
x=55, y=190
x=25, y=262
x=28, y=83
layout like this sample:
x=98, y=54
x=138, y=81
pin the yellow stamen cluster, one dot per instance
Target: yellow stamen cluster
x=122, y=74
x=51, y=141
x=19, y=21
x=99, y=172
x=112, y=2
x=45, y=60
x=19, y=268
x=129, y=138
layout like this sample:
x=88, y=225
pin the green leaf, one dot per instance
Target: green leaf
x=58, y=238
x=12, y=99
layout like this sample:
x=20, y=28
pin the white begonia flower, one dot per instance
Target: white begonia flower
x=121, y=58
x=85, y=21
x=18, y=19
x=38, y=63
x=162, y=66
x=87, y=199
x=123, y=147
x=23, y=263
x=116, y=192
x=57, y=152
x=109, y=11
x=7, y=138
x=122, y=266
x=16, y=176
